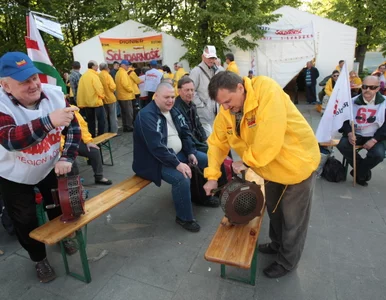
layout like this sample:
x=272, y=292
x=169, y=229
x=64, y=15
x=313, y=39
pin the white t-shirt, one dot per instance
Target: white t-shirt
x=153, y=78
x=174, y=140
x=141, y=86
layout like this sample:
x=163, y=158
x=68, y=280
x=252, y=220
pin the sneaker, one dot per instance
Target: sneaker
x=192, y=225
x=44, y=271
x=70, y=246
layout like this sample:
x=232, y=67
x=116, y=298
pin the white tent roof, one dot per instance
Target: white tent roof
x=282, y=60
x=91, y=49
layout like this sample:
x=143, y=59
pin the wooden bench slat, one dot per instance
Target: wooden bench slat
x=103, y=137
x=54, y=231
x=331, y=143
x=234, y=245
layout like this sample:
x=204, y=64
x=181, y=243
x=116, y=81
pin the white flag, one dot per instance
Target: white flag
x=49, y=26
x=338, y=110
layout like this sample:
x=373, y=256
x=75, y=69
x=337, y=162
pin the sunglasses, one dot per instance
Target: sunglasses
x=371, y=87
x=335, y=75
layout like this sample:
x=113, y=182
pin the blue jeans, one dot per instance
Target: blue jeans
x=181, y=185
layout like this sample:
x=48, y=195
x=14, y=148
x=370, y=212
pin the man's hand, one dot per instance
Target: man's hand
x=352, y=138
x=62, y=116
x=91, y=145
x=370, y=144
x=192, y=159
x=239, y=166
x=185, y=170
x=62, y=167
x=209, y=186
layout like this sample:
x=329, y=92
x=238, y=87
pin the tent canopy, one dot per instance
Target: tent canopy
x=172, y=48
x=282, y=59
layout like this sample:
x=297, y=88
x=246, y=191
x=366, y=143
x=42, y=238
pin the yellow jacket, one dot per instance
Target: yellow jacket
x=125, y=90
x=86, y=135
x=233, y=68
x=134, y=81
x=328, y=88
x=90, y=90
x=276, y=141
x=108, y=86
x=177, y=76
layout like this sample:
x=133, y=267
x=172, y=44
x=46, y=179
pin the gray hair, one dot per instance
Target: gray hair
x=178, y=64
x=103, y=66
x=372, y=77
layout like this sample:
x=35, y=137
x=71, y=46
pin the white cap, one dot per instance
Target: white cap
x=210, y=51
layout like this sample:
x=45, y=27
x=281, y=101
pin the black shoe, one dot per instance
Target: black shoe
x=361, y=181
x=70, y=246
x=192, y=225
x=104, y=182
x=44, y=271
x=128, y=130
x=275, y=270
x=266, y=249
x=212, y=201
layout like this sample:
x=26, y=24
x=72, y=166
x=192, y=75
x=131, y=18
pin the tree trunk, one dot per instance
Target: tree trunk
x=204, y=26
x=360, y=52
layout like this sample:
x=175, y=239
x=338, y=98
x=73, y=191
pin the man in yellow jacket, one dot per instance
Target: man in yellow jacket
x=125, y=95
x=272, y=138
x=88, y=149
x=230, y=60
x=135, y=81
x=177, y=76
x=90, y=98
x=109, y=102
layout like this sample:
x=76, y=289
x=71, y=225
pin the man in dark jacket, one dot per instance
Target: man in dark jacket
x=184, y=103
x=162, y=150
x=311, y=74
x=370, y=130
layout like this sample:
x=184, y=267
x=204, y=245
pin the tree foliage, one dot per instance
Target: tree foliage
x=362, y=14
x=196, y=22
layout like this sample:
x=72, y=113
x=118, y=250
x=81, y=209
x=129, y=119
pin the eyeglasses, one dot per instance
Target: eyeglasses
x=371, y=87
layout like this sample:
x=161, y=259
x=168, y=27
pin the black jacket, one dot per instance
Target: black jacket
x=151, y=151
x=314, y=75
x=194, y=123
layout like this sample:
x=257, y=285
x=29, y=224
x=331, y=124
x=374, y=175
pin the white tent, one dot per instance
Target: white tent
x=295, y=38
x=172, y=48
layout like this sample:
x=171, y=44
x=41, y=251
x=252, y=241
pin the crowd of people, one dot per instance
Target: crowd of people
x=178, y=120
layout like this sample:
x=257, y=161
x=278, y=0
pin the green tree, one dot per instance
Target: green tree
x=362, y=14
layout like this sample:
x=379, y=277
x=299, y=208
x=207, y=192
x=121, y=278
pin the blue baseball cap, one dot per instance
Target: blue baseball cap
x=18, y=66
x=125, y=62
x=153, y=62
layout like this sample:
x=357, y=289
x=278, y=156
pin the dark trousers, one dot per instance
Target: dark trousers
x=19, y=199
x=94, y=114
x=127, y=113
x=95, y=159
x=310, y=93
x=373, y=157
x=289, y=223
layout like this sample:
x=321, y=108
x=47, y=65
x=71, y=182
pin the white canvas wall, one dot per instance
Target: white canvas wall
x=282, y=60
x=92, y=49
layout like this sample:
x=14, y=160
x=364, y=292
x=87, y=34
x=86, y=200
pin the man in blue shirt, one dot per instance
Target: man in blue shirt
x=311, y=74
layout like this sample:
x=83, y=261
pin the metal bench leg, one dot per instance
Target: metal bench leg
x=107, y=146
x=82, y=242
x=252, y=278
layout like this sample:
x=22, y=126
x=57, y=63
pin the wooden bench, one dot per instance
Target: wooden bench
x=55, y=230
x=235, y=245
x=103, y=141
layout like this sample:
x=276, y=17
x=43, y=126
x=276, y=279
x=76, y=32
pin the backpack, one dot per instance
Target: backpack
x=197, y=182
x=333, y=170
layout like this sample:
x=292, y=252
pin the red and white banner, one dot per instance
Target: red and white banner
x=305, y=32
